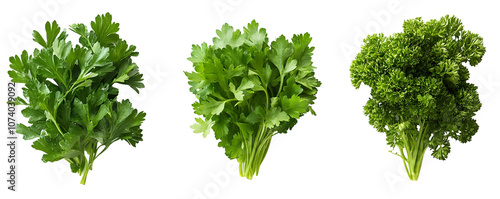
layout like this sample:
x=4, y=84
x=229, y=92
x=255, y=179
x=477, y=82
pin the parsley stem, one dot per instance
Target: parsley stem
x=57, y=125
x=415, y=150
x=85, y=173
x=255, y=152
x=89, y=164
x=404, y=160
x=281, y=85
x=267, y=98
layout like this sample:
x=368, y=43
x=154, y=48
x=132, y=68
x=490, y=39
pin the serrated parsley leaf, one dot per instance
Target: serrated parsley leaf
x=255, y=36
x=228, y=37
x=202, y=127
x=52, y=31
x=211, y=107
x=294, y=106
x=105, y=29
x=274, y=117
x=281, y=49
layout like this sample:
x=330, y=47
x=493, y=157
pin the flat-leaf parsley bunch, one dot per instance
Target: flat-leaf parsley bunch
x=248, y=90
x=70, y=95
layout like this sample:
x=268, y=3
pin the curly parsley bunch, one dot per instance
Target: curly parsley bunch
x=420, y=97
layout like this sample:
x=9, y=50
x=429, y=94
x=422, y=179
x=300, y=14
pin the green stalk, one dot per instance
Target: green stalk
x=262, y=151
x=415, y=150
x=281, y=85
x=249, y=166
x=89, y=164
x=86, y=171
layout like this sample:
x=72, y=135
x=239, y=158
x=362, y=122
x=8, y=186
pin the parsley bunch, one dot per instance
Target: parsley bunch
x=69, y=93
x=249, y=91
x=420, y=96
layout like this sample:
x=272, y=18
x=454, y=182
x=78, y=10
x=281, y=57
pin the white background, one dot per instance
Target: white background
x=335, y=154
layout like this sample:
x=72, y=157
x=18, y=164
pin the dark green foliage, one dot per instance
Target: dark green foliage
x=69, y=94
x=420, y=96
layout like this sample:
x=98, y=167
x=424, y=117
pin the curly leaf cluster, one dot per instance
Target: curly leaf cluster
x=418, y=81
